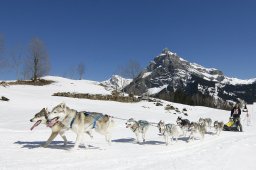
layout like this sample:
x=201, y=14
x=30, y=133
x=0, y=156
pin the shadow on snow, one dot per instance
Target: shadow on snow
x=133, y=141
x=53, y=145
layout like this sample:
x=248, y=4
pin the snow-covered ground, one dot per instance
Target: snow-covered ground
x=20, y=147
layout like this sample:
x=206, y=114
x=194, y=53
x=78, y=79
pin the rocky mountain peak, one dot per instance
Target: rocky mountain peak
x=171, y=62
x=168, y=76
x=116, y=82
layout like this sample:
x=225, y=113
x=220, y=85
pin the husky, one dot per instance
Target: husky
x=137, y=127
x=184, y=124
x=169, y=130
x=218, y=126
x=80, y=122
x=207, y=122
x=58, y=128
x=196, y=128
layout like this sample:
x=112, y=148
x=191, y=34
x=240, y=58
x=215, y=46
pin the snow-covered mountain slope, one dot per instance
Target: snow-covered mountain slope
x=20, y=147
x=175, y=73
x=116, y=82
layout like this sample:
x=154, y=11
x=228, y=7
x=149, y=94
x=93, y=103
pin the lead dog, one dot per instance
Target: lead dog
x=58, y=128
x=138, y=127
x=80, y=122
x=169, y=130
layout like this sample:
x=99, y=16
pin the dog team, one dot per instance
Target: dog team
x=63, y=118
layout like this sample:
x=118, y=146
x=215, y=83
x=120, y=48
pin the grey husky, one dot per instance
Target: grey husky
x=58, y=128
x=196, y=128
x=138, y=127
x=218, y=126
x=207, y=122
x=169, y=130
x=80, y=122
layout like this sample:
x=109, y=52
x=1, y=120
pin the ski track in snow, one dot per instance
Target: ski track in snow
x=20, y=147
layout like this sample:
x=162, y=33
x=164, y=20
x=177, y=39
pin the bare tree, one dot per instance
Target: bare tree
x=132, y=69
x=81, y=70
x=37, y=61
x=17, y=60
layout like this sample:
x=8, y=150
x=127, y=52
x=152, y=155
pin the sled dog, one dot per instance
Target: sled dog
x=184, y=124
x=207, y=122
x=80, y=122
x=196, y=128
x=169, y=130
x=218, y=126
x=138, y=127
x=58, y=128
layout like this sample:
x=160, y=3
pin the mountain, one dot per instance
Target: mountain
x=115, y=83
x=173, y=78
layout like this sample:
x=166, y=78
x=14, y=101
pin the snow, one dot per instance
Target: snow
x=156, y=90
x=116, y=82
x=200, y=70
x=198, y=66
x=68, y=85
x=146, y=74
x=20, y=147
x=182, y=59
x=236, y=81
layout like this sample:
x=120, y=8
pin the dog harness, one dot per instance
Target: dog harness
x=72, y=121
x=141, y=124
x=95, y=118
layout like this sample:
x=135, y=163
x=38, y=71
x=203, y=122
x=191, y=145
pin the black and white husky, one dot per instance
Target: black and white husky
x=196, y=128
x=138, y=127
x=80, y=122
x=169, y=130
x=218, y=126
x=184, y=124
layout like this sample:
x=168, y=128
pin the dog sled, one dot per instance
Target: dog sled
x=232, y=125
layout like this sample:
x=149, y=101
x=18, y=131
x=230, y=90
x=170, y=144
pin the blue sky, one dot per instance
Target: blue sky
x=106, y=34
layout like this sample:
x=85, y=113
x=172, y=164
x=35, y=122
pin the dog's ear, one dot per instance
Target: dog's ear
x=46, y=110
x=63, y=105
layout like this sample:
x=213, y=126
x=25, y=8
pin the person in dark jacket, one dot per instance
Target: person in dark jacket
x=235, y=114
